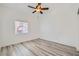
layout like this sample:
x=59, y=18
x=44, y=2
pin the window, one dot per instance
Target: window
x=21, y=27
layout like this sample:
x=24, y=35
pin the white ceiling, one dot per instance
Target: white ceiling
x=22, y=7
x=19, y=6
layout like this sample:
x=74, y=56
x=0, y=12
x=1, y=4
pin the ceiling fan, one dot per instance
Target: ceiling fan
x=38, y=8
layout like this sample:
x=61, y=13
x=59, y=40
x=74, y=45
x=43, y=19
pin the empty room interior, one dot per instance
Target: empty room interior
x=39, y=29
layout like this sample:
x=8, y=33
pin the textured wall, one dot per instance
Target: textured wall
x=9, y=14
x=61, y=24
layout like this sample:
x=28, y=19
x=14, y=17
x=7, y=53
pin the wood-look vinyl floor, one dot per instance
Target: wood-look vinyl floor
x=38, y=47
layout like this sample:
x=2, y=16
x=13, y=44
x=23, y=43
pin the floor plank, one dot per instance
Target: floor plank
x=38, y=47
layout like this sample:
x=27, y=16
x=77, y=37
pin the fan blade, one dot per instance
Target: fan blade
x=34, y=11
x=41, y=12
x=31, y=7
x=44, y=8
x=39, y=3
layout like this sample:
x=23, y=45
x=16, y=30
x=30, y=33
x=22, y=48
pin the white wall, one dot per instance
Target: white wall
x=61, y=24
x=0, y=26
x=8, y=14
